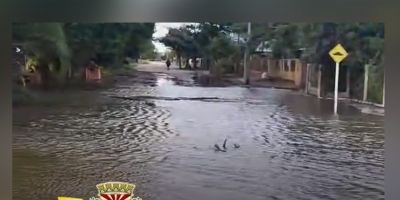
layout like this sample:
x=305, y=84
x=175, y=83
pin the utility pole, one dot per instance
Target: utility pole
x=246, y=56
x=366, y=74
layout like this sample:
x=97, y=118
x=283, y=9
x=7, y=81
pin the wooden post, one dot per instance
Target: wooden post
x=366, y=67
x=319, y=81
x=307, y=77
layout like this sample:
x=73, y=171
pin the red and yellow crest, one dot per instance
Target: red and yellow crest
x=116, y=191
x=111, y=191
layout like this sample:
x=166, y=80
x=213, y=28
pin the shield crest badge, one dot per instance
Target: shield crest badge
x=116, y=191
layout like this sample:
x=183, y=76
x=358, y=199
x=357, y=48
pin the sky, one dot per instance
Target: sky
x=161, y=29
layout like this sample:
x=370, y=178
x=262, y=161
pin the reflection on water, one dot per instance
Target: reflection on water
x=291, y=147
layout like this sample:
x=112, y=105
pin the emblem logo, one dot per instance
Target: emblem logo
x=112, y=191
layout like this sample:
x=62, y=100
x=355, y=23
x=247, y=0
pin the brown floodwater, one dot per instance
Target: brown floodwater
x=291, y=146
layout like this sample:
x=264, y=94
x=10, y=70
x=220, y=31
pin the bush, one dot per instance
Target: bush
x=375, y=84
x=222, y=66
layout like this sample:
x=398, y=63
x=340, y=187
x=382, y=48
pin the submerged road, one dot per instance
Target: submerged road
x=159, y=130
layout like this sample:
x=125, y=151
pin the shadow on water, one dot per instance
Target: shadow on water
x=291, y=146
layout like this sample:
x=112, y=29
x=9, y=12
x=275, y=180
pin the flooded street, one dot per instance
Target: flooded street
x=280, y=144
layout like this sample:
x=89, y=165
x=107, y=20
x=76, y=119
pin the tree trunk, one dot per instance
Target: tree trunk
x=179, y=60
x=44, y=74
x=207, y=63
x=187, y=64
x=64, y=72
x=194, y=63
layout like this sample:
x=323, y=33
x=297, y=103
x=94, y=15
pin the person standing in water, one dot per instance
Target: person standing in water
x=168, y=63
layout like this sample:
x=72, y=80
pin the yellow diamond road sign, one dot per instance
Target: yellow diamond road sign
x=338, y=53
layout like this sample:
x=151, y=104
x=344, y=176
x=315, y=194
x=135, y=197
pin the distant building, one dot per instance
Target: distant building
x=264, y=48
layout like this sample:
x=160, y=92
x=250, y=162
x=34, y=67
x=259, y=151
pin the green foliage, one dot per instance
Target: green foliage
x=375, y=84
x=221, y=47
x=312, y=42
x=225, y=65
x=108, y=43
x=58, y=46
x=148, y=51
x=206, y=40
x=47, y=43
x=182, y=41
x=364, y=43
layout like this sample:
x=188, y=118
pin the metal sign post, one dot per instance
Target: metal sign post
x=336, y=87
x=338, y=53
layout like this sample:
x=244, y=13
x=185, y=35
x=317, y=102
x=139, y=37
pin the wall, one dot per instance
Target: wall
x=273, y=68
x=287, y=69
x=315, y=82
x=258, y=63
x=313, y=79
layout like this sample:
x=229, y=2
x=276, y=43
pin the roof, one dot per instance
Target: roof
x=264, y=47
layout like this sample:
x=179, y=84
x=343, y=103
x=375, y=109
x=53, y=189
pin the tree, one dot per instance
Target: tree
x=182, y=41
x=56, y=45
x=313, y=41
x=193, y=41
x=47, y=43
x=363, y=41
x=175, y=39
x=109, y=43
x=204, y=35
x=148, y=51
